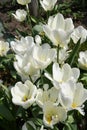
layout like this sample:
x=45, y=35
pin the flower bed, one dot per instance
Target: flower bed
x=43, y=72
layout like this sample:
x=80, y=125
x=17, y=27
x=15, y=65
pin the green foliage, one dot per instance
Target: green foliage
x=74, y=53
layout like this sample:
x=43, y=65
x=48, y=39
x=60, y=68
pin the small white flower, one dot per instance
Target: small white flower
x=23, y=2
x=23, y=45
x=82, y=60
x=20, y=15
x=72, y=96
x=47, y=95
x=24, y=94
x=4, y=47
x=53, y=114
x=48, y=4
x=58, y=29
x=63, y=74
x=79, y=32
x=43, y=56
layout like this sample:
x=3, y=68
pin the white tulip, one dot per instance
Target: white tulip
x=58, y=29
x=23, y=45
x=25, y=67
x=72, y=96
x=4, y=47
x=43, y=56
x=48, y=4
x=79, y=32
x=82, y=60
x=20, y=15
x=23, y=2
x=63, y=74
x=47, y=95
x=53, y=114
x=24, y=94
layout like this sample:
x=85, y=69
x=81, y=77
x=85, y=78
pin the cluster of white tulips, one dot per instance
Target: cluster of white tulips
x=63, y=92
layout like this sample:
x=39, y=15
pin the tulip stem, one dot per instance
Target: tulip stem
x=28, y=15
x=58, y=53
x=48, y=14
x=30, y=79
x=41, y=76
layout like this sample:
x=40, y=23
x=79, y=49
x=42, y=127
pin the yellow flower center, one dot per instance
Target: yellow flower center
x=25, y=98
x=1, y=50
x=85, y=65
x=49, y=119
x=74, y=105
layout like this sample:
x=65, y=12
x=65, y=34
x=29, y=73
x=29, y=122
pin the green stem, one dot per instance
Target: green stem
x=30, y=79
x=28, y=15
x=48, y=14
x=41, y=77
x=58, y=53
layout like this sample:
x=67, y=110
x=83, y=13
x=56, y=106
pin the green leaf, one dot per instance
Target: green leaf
x=73, y=53
x=30, y=125
x=70, y=126
x=70, y=119
x=5, y=113
x=55, y=128
x=67, y=127
x=1, y=29
x=33, y=19
x=37, y=121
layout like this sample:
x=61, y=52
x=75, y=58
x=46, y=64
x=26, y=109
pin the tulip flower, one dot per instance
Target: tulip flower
x=25, y=67
x=23, y=45
x=47, y=95
x=53, y=114
x=48, y=5
x=63, y=74
x=4, y=47
x=72, y=96
x=43, y=56
x=20, y=15
x=79, y=33
x=58, y=29
x=24, y=94
x=23, y=2
x=82, y=60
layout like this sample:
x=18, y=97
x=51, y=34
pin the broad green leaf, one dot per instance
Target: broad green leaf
x=55, y=128
x=74, y=53
x=69, y=126
x=37, y=121
x=70, y=119
x=5, y=113
x=30, y=125
x=33, y=19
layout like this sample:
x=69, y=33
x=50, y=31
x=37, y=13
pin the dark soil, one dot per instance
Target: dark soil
x=11, y=24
